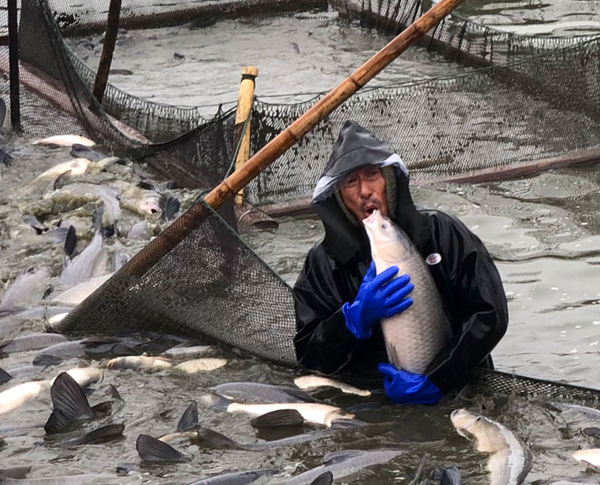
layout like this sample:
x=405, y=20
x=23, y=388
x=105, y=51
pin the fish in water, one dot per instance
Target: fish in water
x=70, y=405
x=140, y=231
x=141, y=362
x=86, y=479
x=188, y=352
x=77, y=166
x=75, y=295
x=313, y=382
x=311, y=412
x=206, y=364
x=64, y=141
x=84, y=265
x=510, y=459
x=591, y=456
x=418, y=334
x=29, y=286
x=15, y=397
x=586, y=411
x=34, y=341
x=262, y=393
x=84, y=376
x=108, y=195
x=81, y=151
x=343, y=463
x=214, y=439
x=235, y=478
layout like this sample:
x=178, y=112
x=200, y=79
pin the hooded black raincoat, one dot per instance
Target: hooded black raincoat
x=465, y=275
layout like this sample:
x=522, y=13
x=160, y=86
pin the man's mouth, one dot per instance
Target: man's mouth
x=369, y=209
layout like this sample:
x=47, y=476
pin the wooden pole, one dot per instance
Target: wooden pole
x=191, y=220
x=243, y=113
x=13, y=46
x=110, y=39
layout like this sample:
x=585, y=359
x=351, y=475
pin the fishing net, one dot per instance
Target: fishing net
x=539, y=98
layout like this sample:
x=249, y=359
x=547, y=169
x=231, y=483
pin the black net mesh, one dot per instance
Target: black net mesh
x=542, y=102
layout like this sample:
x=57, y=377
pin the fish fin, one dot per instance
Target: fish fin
x=339, y=456
x=153, y=450
x=97, y=218
x=4, y=376
x=363, y=406
x=172, y=206
x=98, y=340
x=217, y=440
x=61, y=180
x=347, y=423
x=102, y=409
x=15, y=472
x=302, y=396
x=69, y=402
x=4, y=343
x=70, y=241
x=44, y=360
x=108, y=432
x=114, y=393
x=189, y=419
x=450, y=476
x=323, y=479
x=146, y=185
x=281, y=417
x=123, y=350
x=215, y=401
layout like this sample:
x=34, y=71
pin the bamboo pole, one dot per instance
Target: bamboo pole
x=13, y=49
x=110, y=39
x=191, y=220
x=243, y=113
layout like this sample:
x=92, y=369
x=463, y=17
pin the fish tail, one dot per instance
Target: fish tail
x=323, y=479
x=70, y=404
x=4, y=376
x=281, y=417
x=189, y=419
x=153, y=450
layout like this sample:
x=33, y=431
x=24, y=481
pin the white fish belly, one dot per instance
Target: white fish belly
x=414, y=337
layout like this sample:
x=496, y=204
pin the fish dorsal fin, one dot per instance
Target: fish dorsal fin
x=301, y=395
x=4, y=376
x=339, y=456
x=189, y=419
x=280, y=417
x=69, y=403
x=323, y=479
x=153, y=450
x=104, y=433
x=450, y=476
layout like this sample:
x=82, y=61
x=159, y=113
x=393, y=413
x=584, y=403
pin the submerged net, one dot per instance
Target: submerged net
x=545, y=102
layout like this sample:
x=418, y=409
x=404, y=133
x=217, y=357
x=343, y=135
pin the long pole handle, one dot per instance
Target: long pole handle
x=110, y=39
x=294, y=133
x=190, y=221
x=13, y=48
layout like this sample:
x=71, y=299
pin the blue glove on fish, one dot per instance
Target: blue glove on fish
x=403, y=387
x=379, y=296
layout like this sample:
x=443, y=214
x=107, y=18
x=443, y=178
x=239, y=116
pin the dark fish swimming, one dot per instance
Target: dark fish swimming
x=262, y=393
x=343, y=463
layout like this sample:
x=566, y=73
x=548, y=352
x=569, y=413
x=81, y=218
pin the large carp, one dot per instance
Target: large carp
x=414, y=337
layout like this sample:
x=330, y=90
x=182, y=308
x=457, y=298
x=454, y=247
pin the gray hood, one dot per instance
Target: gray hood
x=356, y=147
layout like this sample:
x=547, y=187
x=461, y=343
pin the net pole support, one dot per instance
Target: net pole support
x=13, y=46
x=191, y=220
x=243, y=112
x=110, y=39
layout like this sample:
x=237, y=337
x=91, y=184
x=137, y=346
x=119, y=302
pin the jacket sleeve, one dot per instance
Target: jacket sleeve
x=322, y=342
x=480, y=315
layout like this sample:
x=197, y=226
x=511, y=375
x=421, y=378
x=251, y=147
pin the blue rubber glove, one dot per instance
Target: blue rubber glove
x=403, y=387
x=379, y=296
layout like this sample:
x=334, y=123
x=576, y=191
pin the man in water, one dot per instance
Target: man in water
x=340, y=301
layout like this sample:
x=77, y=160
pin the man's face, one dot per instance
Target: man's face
x=363, y=191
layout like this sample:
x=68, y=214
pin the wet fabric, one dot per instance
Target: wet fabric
x=465, y=275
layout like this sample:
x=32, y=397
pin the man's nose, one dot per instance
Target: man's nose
x=365, y=189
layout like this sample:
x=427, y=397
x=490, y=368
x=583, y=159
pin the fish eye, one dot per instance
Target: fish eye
x=385, y=225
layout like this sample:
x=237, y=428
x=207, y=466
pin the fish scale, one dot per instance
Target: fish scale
x=414, y=337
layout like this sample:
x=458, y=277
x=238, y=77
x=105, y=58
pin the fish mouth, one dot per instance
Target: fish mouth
x=371, y=213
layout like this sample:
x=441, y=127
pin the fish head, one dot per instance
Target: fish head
x=149, y=205
x=79, y=166
x=388, y=246
x=465, y=421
